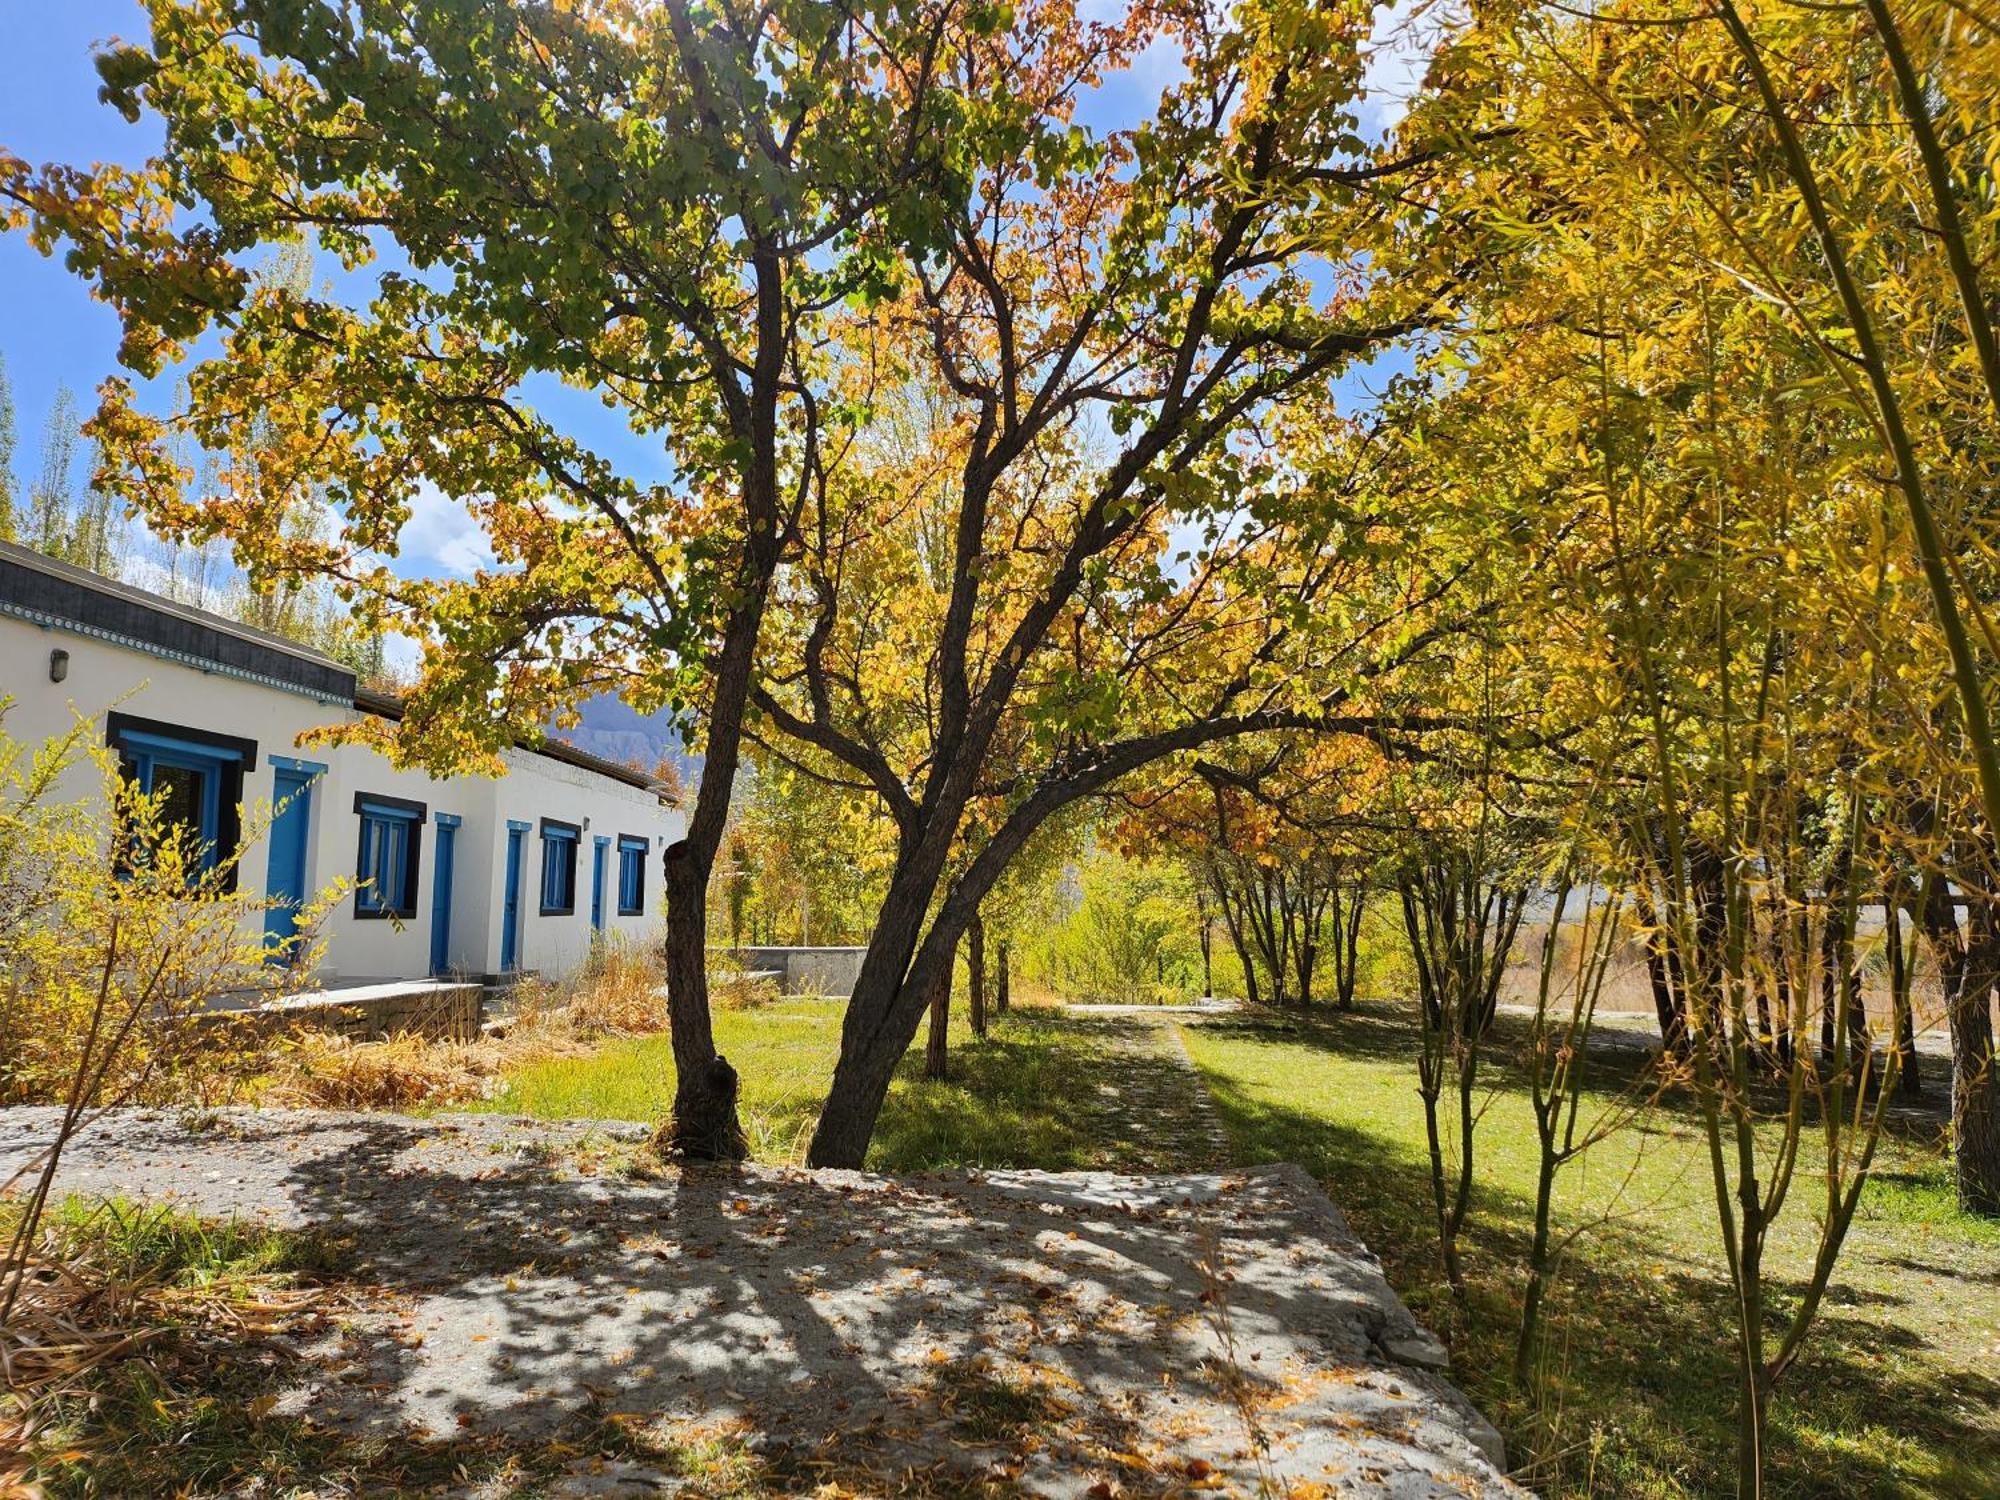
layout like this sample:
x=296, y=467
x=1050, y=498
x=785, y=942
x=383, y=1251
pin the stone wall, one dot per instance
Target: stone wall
x=804, y=971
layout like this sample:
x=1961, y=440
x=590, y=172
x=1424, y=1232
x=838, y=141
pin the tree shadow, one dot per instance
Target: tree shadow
x=1056, y=1092
x=1639, y=1378
x=1007, y=1329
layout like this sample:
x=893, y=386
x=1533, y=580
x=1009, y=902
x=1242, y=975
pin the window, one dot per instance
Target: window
x=196, y=778
x=391, y=852
x=558, y=868
x=631, y=875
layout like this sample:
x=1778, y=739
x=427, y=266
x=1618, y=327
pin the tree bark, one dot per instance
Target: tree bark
x=975, y=962
x=704, y=1125
x=1909, y=1071
x=937, y=1057
x=1968, y=967
x=1000, y=968
x=1207, y=944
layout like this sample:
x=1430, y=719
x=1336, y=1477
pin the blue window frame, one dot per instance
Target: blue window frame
x=559, y=868
x=196, y=777
x=632, y=874
x=391, y=855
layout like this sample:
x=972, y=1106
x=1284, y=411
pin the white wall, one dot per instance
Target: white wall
x=104, y=676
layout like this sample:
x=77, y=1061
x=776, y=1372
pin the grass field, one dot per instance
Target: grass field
x=1041, y=1090
x=1899, y=1392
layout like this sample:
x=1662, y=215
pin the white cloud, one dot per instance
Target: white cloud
x=1404, y=35
x=442, y=538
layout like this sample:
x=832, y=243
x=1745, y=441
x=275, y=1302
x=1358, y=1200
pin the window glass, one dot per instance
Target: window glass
x=631, y=877
x=558, y=869
x=386, y=868
x=182, y=793
x=194, y=791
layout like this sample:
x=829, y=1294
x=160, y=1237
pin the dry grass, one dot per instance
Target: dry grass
x=736, y=991
x=619, y=994
x=110, y=1290
x=315, y=1070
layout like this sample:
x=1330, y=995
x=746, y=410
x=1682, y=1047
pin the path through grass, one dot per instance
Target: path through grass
x=1899, y=1394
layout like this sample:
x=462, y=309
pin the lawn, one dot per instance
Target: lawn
x=1897, y=1394
x=1042, y=1089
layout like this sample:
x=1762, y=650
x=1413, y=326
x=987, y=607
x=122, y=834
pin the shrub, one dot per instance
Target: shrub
x=119, y=933
x=735, y=990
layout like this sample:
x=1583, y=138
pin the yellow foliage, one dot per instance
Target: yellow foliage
x=119, y=936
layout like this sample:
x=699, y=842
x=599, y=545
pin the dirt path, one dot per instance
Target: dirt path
x=1157, y=1115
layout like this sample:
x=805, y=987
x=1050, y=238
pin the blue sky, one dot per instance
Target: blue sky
x=53, y=333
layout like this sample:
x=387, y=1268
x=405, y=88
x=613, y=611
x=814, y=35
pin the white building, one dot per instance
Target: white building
x=465, y=875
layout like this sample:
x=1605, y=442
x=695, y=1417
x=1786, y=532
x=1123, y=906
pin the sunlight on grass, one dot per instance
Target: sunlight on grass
x=1639, y=1382
x=1011, y=1099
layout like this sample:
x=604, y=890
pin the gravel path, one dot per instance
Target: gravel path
x=1050, y=1334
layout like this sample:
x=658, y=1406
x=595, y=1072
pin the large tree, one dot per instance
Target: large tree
x=657, y=203
x=1129, y=528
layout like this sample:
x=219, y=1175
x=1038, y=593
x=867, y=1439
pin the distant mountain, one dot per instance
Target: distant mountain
x=613, y=729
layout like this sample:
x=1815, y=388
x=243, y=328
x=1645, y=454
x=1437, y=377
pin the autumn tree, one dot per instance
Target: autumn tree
x=1732, y=609
x=1142, y=540
x=655, y=203
x=1283, y=839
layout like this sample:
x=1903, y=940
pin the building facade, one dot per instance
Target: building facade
x=468, y=875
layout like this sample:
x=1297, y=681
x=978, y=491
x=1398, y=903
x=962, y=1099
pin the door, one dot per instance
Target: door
x=510, y=900
x=285, y=875
x=597, y=857
x=447, y=843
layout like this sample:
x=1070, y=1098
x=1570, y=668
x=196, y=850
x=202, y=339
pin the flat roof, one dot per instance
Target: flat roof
x=49, y=592
x=389, y=706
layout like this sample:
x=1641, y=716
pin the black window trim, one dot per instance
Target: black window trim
x=405, y=909
x=565, y=833
x=229, y=808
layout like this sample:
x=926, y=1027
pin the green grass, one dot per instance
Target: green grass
x=166, y=1246
x=1897, y=1394
x=1040, y=1090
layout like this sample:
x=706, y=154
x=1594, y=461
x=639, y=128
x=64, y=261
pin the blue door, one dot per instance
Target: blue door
x=597, y=882
x=510, y=900
x=447, y=841
x=285, y=875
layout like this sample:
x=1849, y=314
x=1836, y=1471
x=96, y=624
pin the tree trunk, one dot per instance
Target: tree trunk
x=1909, y=1073
x=937, y=1059
x=1975, y=1100
x=704, y=1125
x=1968, y=966
x=1000, y=979
x=975, y=962
x=1232, y=923
x=1660, y=974
x=1347, y=945
x=1975, y=1092
x=1207, y=946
